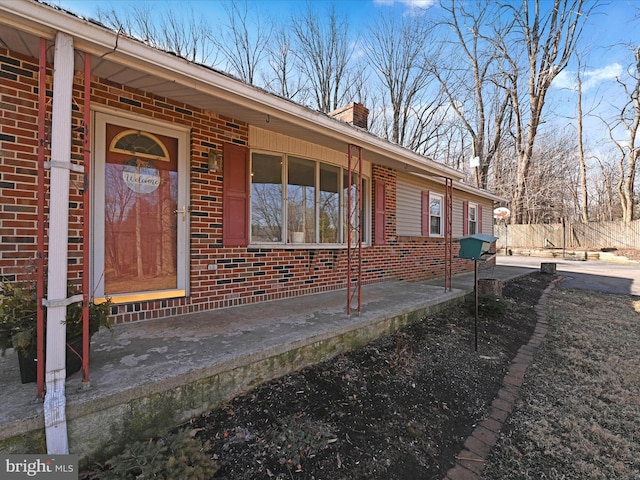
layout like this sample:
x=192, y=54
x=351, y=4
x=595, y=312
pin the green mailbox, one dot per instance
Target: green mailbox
x=476, y=247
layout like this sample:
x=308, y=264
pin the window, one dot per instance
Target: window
x=266, y=198
x=301, y=200
x=329, y=208
x=297, y=200
x=436, y=212
x=351, y=227
x=140, y=144
x=473, y=219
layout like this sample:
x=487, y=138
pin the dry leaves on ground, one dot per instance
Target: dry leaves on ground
x=578, y=414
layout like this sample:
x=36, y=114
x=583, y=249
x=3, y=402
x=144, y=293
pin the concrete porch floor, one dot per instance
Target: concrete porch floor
x=159, y=373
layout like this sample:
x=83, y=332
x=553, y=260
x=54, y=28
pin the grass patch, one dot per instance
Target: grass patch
x=578, y=414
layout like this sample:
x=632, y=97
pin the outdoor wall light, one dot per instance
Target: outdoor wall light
x=215, y=161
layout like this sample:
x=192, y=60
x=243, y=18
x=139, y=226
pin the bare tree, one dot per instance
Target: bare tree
x=447, y=141
x=282, y=63
x=395, y=50
x=605, y=205
x=323, y=55
x=549, y=35
x=243, y=41
x=429, y=125
x=472, y=80
x=173, y=31
x=553, y=177
x=550, y=195
x=629, y=120
x=584, y=195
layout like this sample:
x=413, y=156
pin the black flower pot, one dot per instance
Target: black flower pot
x=29, y=363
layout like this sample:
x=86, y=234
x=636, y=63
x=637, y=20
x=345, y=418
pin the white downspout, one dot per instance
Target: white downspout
x=55, y=419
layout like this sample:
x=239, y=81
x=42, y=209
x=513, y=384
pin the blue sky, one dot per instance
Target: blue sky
x=405, y=6
x=363, y=10
x=353, y=8
x=606, y=37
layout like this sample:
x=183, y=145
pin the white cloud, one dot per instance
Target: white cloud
x=590, y=79
x=412, y=5
x=609, y=72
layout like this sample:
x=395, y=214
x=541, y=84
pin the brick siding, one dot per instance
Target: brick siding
x=241, y=275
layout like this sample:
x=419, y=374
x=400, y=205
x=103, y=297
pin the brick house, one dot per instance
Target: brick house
x=190, y=190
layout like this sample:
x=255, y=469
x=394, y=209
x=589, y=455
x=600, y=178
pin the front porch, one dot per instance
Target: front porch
x=156, y=374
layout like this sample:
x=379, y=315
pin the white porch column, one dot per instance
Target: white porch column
x=55, y=400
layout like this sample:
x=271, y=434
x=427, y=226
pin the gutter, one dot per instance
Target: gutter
x=55, y=419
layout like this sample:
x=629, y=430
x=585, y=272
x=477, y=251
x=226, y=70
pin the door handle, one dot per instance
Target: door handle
x=184, y=210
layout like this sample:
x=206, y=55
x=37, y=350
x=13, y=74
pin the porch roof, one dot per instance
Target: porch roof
x=127, y=61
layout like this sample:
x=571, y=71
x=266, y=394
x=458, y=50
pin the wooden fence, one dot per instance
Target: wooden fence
x=594, y=235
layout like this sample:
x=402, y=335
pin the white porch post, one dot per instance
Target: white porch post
x=55, y=400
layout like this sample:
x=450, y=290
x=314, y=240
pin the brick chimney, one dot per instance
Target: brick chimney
x=355, y=113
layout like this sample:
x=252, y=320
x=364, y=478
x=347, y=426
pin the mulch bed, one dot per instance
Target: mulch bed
x=398, y=408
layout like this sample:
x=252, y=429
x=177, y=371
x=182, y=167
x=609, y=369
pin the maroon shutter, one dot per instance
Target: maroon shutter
x=235, y=196
x=380, y=213
x=479, y=214
x=425, y=214
x=465, y=218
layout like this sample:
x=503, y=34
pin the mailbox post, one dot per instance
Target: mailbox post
x=476, y=247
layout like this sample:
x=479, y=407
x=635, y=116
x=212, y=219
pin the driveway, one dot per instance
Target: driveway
x=596, y=275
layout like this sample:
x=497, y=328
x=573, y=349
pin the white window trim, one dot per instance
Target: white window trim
x=472, y=206
x=439, y=196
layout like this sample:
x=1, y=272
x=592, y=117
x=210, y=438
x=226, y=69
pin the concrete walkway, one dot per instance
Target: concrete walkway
x=192, y=363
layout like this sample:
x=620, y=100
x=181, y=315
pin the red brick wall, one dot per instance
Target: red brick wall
x=408, y=258
x=241, y=275
x=18, y=165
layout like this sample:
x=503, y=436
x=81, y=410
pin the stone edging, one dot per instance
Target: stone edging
x=469, y=463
